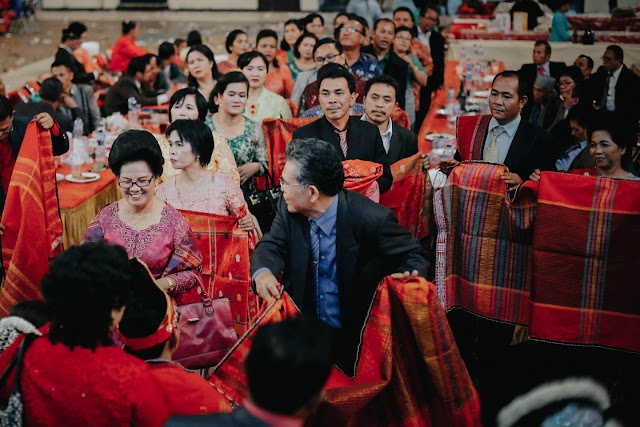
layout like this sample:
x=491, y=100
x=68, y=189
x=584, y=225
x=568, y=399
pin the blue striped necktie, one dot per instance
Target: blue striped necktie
x=315, y=251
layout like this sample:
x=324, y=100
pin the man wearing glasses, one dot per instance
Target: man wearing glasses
x=352, y=36
x=332, y=247
x=615, y=87
x=305, y=91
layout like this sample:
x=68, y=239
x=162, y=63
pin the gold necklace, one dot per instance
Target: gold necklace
x=141, y=215
x=202, y=174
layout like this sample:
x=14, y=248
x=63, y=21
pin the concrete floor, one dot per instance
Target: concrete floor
x=25, y=56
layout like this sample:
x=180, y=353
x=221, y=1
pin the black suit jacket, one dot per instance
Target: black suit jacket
x=532, y=148
x=627, y=91
x=436, y=47
x=370, y=245
x=404, y=143
x=529, y=72
x=31, y=109
x=238, y=418
x=397, y=68
x=80, y=75
x=118, y=96
x=364, y=143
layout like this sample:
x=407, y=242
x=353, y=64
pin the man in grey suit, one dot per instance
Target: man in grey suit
x=81, y=94
x=287, y=367
x=379, y=103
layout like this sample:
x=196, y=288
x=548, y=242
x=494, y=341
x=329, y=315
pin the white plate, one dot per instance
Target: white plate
x=433, y=136
x=87, y=177
x=442, y=111
x=482, y=94
x=59, y=177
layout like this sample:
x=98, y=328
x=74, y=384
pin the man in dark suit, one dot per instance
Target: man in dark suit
x=615, y=87
x=287, y=366
x=72, y=38
x=541, y=65
x=504, y=137
x=81, y=94
x=53, y=99
x=351, y=137
x=389, y=61
x=333, y=246
x=427, y=20
x=138, y=73
x=379, y=104
x=546, y=103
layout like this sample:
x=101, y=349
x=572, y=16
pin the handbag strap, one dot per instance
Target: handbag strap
x=17, y=362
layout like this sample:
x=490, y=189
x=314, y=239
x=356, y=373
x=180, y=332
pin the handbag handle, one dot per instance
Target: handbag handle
x=17, y=362
x=269, y=179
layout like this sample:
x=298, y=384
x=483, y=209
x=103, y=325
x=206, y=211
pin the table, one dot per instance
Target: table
x=514, y=53
x=80, y=203
x=604, y=23
x=434, y=122
x=609, y=37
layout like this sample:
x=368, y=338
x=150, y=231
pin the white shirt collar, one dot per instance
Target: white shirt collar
x=67, y=48
x=616, y=73
x=511, y=128
x=389, y=130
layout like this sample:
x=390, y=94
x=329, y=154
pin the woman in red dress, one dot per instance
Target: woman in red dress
x=75, y=376
x=279, y=79
x=126, y=48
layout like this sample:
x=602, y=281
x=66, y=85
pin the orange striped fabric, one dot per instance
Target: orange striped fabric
x=33, y=227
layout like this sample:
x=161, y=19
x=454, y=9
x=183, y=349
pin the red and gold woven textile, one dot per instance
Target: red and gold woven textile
x=483, y=249
x=410, y=372
x=410, y=196
x=360, y=176
x=278, y=133
x=225, y=264
x=33, y=227
x=585, y=249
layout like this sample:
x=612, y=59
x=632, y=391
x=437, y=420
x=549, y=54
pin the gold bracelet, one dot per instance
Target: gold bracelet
x=172, y=285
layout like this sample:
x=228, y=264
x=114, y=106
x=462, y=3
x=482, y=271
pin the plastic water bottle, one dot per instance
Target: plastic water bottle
x=451, y=98
x=133, y=110
x=78, y=128
x=100, y=149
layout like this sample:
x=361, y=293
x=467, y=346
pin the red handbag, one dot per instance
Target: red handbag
x=206, y=332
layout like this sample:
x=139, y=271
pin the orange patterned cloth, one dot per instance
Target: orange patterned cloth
x=361, y=176
x=410, y=196
x=280, y=81
x=409, y=370
x=225, y=250
x=33, y=227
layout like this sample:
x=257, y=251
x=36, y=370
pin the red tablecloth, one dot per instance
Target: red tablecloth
x=72, y=194
x=604, y=23
x=468, y=34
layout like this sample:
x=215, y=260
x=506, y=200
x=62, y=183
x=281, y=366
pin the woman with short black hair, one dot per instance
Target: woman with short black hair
x=189, y=104
x=236, y=44
x=147, y=227
x=76, y=376
x=196, y=188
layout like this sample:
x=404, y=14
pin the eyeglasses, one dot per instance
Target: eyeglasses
x=140, y=183
x=407, y=39
x=284, y=185
x=607, y=58
x=350, y=30
x=565, y=82
x=329, y=58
